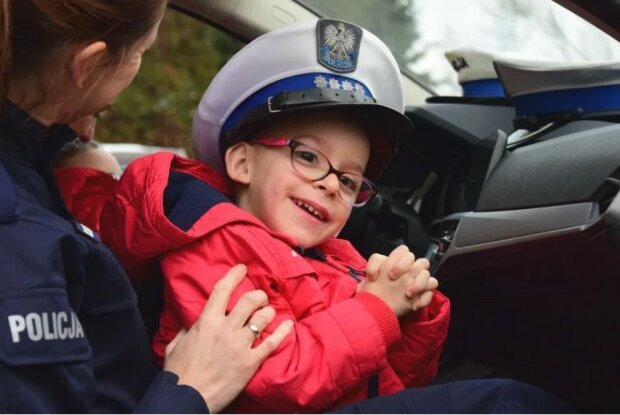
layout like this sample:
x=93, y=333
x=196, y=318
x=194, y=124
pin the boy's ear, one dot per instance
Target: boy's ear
x=237, y=161
x=85, y=61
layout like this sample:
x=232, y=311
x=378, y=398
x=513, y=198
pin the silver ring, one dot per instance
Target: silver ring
x=254, y=329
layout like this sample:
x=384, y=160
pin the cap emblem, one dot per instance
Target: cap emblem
x=338, y=45
x=458, y=63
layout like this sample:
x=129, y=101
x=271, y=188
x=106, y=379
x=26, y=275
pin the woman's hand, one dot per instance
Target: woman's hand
x=216, y=356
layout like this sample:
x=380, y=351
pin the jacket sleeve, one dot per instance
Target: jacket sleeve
x=332, y=348
x=164, y=396
x=92, y=353
x=416, y=356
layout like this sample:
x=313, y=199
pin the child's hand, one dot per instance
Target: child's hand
x=393, y=266
x=421, y=291
x=390, y=278
x=400, y=280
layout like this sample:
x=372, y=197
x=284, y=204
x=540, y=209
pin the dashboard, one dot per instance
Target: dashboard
x=523, y=236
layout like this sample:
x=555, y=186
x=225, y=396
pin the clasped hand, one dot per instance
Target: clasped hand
x=399, y=279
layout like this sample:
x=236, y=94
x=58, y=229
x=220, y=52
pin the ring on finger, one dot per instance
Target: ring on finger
x=254, y=329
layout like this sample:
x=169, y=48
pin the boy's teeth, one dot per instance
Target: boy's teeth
x=309, y=209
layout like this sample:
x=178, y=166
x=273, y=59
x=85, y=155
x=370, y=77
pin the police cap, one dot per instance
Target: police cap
x=304, y=66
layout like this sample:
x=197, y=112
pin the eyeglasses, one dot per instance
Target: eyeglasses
x=355, y=190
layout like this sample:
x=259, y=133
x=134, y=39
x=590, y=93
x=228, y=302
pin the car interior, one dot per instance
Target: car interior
x=520, y=219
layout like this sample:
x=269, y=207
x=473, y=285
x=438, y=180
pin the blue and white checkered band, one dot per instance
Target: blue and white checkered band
x=338, y=45
x=294, y=83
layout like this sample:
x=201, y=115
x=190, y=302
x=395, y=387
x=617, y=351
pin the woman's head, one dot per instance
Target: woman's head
x=88, y=50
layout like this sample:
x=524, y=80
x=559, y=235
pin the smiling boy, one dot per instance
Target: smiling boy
x=312, y=204
x=299, y=121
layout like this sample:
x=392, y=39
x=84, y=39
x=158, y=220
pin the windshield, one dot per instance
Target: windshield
x=419, y=32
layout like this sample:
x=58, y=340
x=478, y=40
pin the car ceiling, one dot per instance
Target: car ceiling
x=605, y=14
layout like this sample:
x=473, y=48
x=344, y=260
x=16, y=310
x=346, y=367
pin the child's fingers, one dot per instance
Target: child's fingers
x=373, y=266
x=419, y=284
x=387, y=268
x=420, y=265
x=432, y=284
x=271, y=343
x=405, y=263
x=423, y=301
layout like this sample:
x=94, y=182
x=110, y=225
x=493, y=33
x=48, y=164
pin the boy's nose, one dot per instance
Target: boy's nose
x=330, y=183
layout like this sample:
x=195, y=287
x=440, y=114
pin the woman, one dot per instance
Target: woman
x=72, y=338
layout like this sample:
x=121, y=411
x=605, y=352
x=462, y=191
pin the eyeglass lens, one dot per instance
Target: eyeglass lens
x=313, y=165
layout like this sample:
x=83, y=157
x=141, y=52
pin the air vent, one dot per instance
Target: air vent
x=441, y=239
x=607, y=191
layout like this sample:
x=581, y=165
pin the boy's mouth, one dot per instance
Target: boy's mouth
x=314, y=211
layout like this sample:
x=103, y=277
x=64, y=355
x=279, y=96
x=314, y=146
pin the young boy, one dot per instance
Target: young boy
x=299, y=121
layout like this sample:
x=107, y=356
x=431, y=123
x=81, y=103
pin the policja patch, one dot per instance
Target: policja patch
x=338, y=44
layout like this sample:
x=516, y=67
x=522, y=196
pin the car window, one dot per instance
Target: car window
x=419, y=32
x=158, y=108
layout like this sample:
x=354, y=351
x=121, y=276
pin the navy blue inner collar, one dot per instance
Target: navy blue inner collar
x=27, y=139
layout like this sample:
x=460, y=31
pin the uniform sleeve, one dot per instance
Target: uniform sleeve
x=121, y=361
x=71, y=337
x=164, y=396
x=416, y=356
x=332, y=348
x=123, y=364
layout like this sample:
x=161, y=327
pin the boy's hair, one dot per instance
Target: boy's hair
x=317, y=64
x=72, y=148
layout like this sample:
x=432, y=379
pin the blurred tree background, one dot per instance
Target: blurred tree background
x=158, y=108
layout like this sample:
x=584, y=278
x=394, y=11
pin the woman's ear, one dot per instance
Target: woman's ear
x=238, y=163
x=85, y=61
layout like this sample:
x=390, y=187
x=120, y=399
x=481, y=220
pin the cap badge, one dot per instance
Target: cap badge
x=322, y=82
x=459, y=63
x=338, y=44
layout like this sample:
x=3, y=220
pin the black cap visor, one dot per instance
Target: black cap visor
x=388, y=127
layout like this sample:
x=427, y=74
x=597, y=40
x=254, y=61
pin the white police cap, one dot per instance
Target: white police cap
x=475, y=71
x=527, y=76
x=311, y=64
x=550, y=89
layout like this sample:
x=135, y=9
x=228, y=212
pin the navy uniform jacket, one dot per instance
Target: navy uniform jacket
x=71, y=337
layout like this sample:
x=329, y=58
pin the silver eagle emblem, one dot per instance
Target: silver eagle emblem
x=340, y=40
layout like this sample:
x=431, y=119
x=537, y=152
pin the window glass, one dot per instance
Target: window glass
x=158, y=107
x=419, y=32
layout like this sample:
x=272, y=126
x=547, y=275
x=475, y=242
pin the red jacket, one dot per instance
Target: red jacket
x=84, y=191
x=339, y=341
